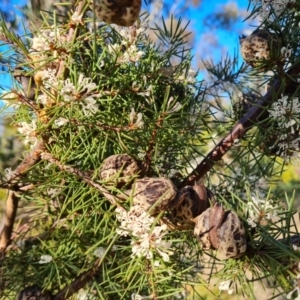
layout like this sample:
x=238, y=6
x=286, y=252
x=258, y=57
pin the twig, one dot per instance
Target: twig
x=255, y=114
x=85, y=176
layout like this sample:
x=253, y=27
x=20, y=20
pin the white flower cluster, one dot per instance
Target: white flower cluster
x=137, y=223
x=131, y=54
x=29, y=131
x=84, y=91
x=260, y=210
x=266, y=6
x=286, y=112
x=189, y=77
x=45, y=38
x=49, y=79
x=127, y=50
x=130, y=34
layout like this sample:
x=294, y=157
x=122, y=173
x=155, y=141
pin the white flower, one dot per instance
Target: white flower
x=286, y=114
x=89, y=106
x=148, y=242
x=29, y=130
x=173, y=107
x=39, y=43
x=45, y=259
x=138, y=123
x=9, y=173
x=82, y=295
x=131, y=54
x=260, y=209
x=43, y=40
x=61, y=121
x=68, y=91
x=49, y=78
x=286, y=52
x=251, y=223
x=114, y=48
x=225, y=286
x=188, y=76
x=77, y=18
x=191, y=76
x=85, y=91
x=85, y=84
x=138, y=223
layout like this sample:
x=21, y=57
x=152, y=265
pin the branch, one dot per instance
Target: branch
x=255, y=114
x=79, y=282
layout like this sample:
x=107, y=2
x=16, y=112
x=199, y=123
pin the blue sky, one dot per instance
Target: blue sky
x=228, y=40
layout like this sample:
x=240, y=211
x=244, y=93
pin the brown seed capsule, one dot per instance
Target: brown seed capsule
x=120, y=12
x=192, y=202
x=34, y=293
x=154, y=194
x=221, y=230
x=119, y=169
x=261, y=49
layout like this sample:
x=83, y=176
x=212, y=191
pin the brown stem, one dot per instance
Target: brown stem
x=9, y=218
x=79, y=282
x=255, y=114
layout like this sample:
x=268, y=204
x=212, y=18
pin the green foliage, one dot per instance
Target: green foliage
x=112, y=91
